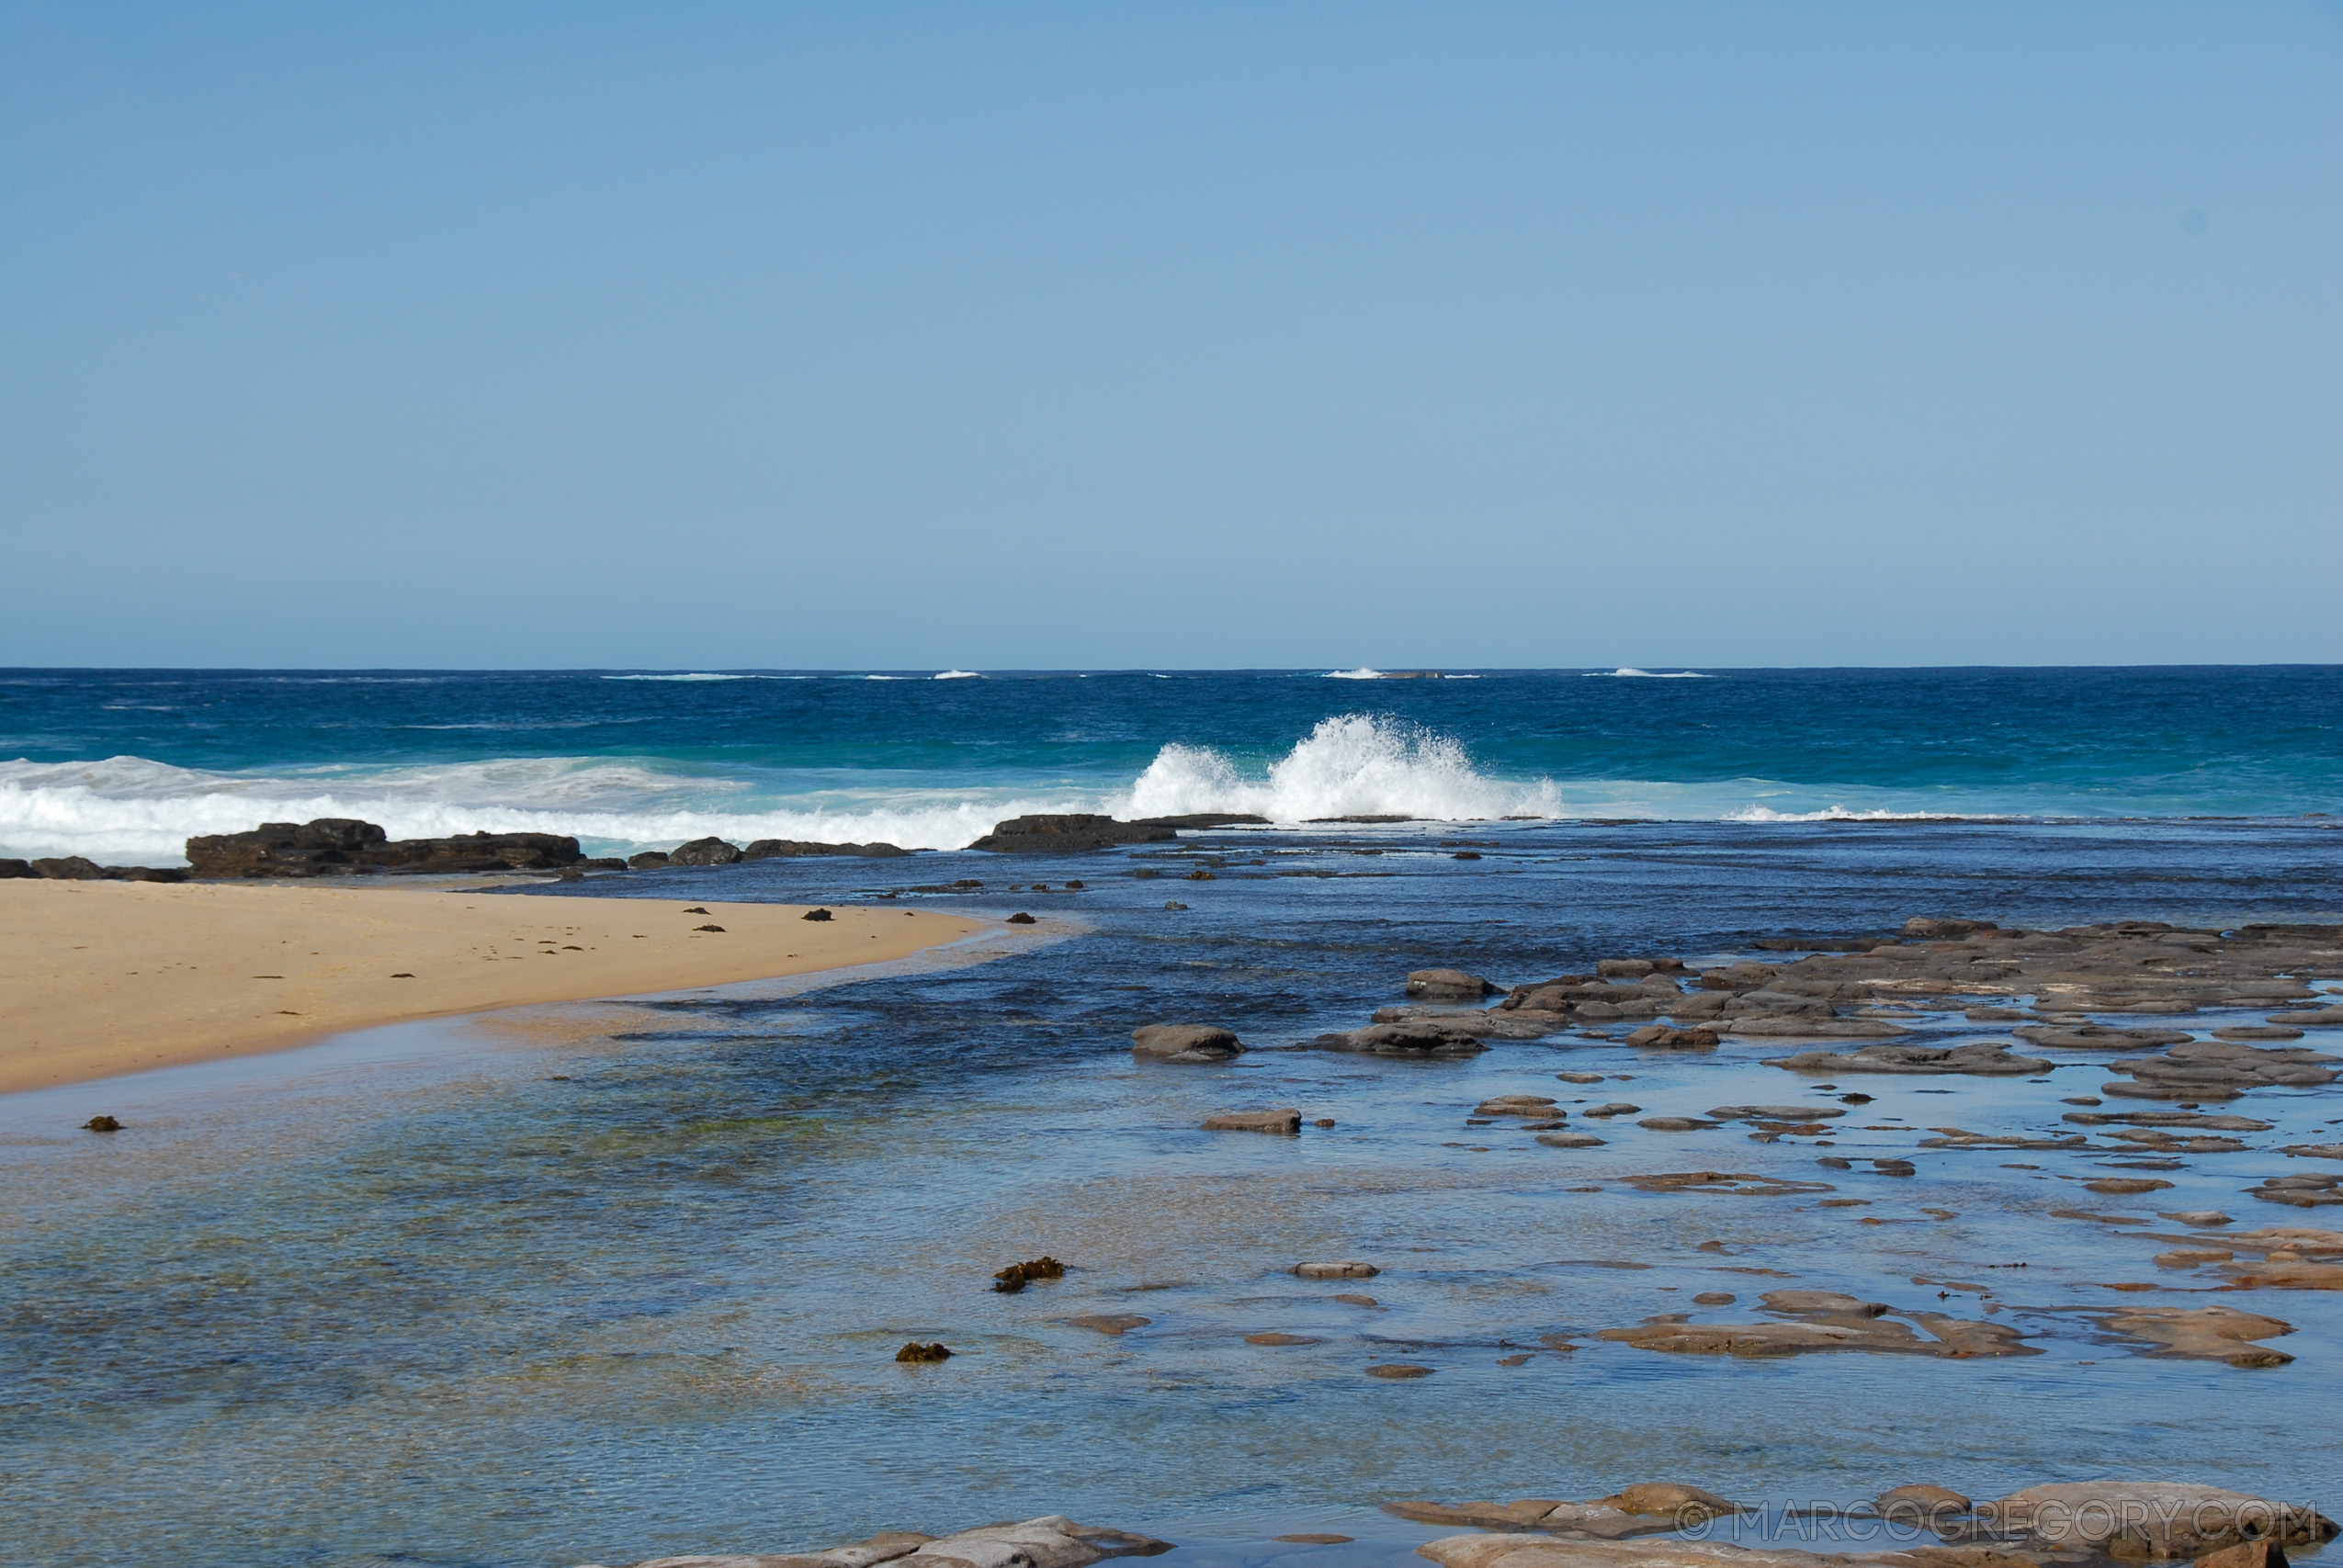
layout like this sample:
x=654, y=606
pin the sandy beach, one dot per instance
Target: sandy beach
x=98, y=978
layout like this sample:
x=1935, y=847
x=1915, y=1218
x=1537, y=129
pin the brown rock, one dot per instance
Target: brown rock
x=1286, y=1120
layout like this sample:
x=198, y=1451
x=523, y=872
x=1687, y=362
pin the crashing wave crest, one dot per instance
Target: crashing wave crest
x=1353, y=766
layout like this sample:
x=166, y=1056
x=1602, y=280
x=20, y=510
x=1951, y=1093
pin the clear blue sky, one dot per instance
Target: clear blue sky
x=899, y=335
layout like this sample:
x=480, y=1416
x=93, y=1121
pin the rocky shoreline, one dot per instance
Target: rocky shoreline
x=2093, y=1524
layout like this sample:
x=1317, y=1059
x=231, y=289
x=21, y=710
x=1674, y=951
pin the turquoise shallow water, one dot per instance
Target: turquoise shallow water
x=629, y=1281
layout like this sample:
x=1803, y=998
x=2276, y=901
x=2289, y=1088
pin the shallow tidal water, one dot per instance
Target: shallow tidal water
x=594, y=1284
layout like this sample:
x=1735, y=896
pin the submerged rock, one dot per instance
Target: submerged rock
x=2203, y=1334
x=1351, y=1271
x=1816, y=1321
x=915, y=1351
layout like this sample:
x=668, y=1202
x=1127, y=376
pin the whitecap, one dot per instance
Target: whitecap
x=1352, y=765
x=959, y=675
x=695, y=676
x=1628, y=673
x=1361, y=673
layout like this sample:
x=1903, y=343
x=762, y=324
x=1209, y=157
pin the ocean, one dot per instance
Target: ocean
x=122, y=766
x=591, y=1284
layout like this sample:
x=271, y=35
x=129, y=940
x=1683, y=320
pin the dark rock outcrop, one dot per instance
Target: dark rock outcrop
x=16, y=868
x=334, y=846
x=705, y=852
x=793, y=849
x=1070, y=833
x=69, y=868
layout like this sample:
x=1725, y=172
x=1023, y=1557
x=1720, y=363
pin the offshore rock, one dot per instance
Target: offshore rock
x=1069, y=833
x=790, y=848
x=705, y=852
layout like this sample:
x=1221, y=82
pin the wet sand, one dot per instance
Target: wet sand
x=98, y=978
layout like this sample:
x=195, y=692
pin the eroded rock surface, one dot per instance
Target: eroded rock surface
x=1983, y=1058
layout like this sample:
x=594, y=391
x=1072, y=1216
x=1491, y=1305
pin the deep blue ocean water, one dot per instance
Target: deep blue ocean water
x=123, y=765
x=593, y=1284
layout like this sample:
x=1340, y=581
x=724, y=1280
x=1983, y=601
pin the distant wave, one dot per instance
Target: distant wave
x=959, y=675
x=1361, y=673
x=691, y=677
x=1628, y=673
x=1840, y=814
x=1353, y=766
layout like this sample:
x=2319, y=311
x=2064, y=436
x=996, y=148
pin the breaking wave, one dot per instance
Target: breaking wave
x=1353, y=766
x=1624, y=672
x=130, y=810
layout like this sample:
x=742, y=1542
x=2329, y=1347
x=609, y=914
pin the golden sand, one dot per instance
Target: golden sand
x=104, y=978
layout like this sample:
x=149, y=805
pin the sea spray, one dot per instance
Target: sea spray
x=1352, y=765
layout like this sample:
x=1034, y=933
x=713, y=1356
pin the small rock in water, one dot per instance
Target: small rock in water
x=1114, y=1324
x=1714, y=1299
x=1021, y=918
x=1185, y=1043
x=1336, y=1271
x=2123, y=1185
x=1282, y=1339
x=915, y=1351
x=2201, y=1217
x=1284, y=1119
x=1447, y=983
x=1173, y=904
x=1580, y=1077
x=1323, y=1121
x=101, y=1125
x=1398, y=1371
x=1017, y=1275
x=1570, y=1141
x=1617, y=1108
x=815, y=915
x=1355, y=1301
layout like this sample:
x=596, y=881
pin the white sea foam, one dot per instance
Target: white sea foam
x=1841, y=814
x=129, y=810
x=1361, y=673
x=960, y=675
x=1625, y=673
x=1353, y=766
